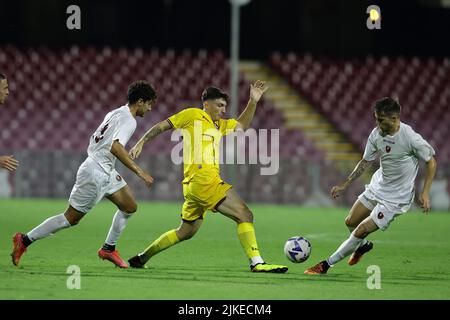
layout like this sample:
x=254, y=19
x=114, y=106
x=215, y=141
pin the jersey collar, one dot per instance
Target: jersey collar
x=208, y=117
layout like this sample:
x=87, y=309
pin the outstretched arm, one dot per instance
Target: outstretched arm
x=360, y=168
x=154, y=131
x=257, y=89
x=120, y=153
x=424, y=197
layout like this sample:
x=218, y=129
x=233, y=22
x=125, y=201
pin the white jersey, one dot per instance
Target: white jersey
x=399, y=163
x=118, y=124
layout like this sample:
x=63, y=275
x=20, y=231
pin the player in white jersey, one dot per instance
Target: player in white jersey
x=6, y=162
x=391, y=190
x=97, y=177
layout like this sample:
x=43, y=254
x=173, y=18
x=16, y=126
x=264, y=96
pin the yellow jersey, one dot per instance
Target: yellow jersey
x=201, y=139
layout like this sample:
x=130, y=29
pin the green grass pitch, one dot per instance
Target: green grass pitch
x=413, y=256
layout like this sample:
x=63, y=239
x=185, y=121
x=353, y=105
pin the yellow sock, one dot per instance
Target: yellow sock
x=246, y=235
x=165, y=241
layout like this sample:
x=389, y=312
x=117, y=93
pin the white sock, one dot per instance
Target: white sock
x=48, y=227
x=118, y=224
x=347, y=247
x=255, y=260
x=362, y=242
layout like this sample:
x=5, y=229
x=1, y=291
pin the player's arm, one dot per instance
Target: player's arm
x=424, y=197
x=151, y=134
x=120, y=153
x=360, y=168
x=9, y=163
x=257, y=89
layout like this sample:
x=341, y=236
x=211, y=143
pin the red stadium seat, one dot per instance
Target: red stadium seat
x=344, y=91
x=65, y=93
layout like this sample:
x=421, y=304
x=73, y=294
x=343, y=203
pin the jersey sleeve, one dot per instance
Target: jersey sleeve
x=421, y=148
x=371, y=150
x=123, y=130
x=227, y=126
x=183, y=118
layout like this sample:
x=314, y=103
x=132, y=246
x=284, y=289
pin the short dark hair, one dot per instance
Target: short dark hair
x=388, y=106
x=213, y=93
x=2, y=76
x=140, y=90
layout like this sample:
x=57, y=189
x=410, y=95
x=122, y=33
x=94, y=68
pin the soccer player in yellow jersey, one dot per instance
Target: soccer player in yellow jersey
x=203, y=188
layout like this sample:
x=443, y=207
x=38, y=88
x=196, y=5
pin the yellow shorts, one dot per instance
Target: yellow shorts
x=204, y=192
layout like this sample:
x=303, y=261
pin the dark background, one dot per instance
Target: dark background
x=334, y=28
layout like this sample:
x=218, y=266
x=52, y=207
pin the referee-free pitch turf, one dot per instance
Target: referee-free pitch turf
x=413, y=256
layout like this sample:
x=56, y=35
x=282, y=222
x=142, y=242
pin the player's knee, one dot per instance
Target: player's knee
x=73, y=222
x=187, y=236
x=129, y=208
x=71, y=218
x=182, y=236
x=245, y=215
x=249, y=216
x=360, y=232
x=349, y=222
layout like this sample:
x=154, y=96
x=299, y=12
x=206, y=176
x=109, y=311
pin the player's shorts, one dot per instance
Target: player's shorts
x=92, y=184
x=206, y=191
x=383, y=212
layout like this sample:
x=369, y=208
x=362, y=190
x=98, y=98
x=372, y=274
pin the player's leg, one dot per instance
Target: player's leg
x=366, y=227
x=360, y=210
x=126, y=204
x=186, y=231
x=356, y=215
x=68, y=218
x=235, y=208
x=192, y=215
x=83, y=197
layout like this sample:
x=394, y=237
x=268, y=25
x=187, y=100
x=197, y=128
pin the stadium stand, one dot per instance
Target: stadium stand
x=344, y=91
x=59, y=97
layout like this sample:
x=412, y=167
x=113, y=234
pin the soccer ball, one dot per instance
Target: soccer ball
x=297, y=249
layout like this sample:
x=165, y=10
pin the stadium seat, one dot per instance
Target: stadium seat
x=344, y=91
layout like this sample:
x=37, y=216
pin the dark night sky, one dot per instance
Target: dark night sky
x=327, y=27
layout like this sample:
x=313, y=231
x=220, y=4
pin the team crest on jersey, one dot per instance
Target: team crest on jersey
x=388, y=149
x=118, y=177
x=380, y=215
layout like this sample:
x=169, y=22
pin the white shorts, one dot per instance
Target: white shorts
x=92, y=184
x=383, y=212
